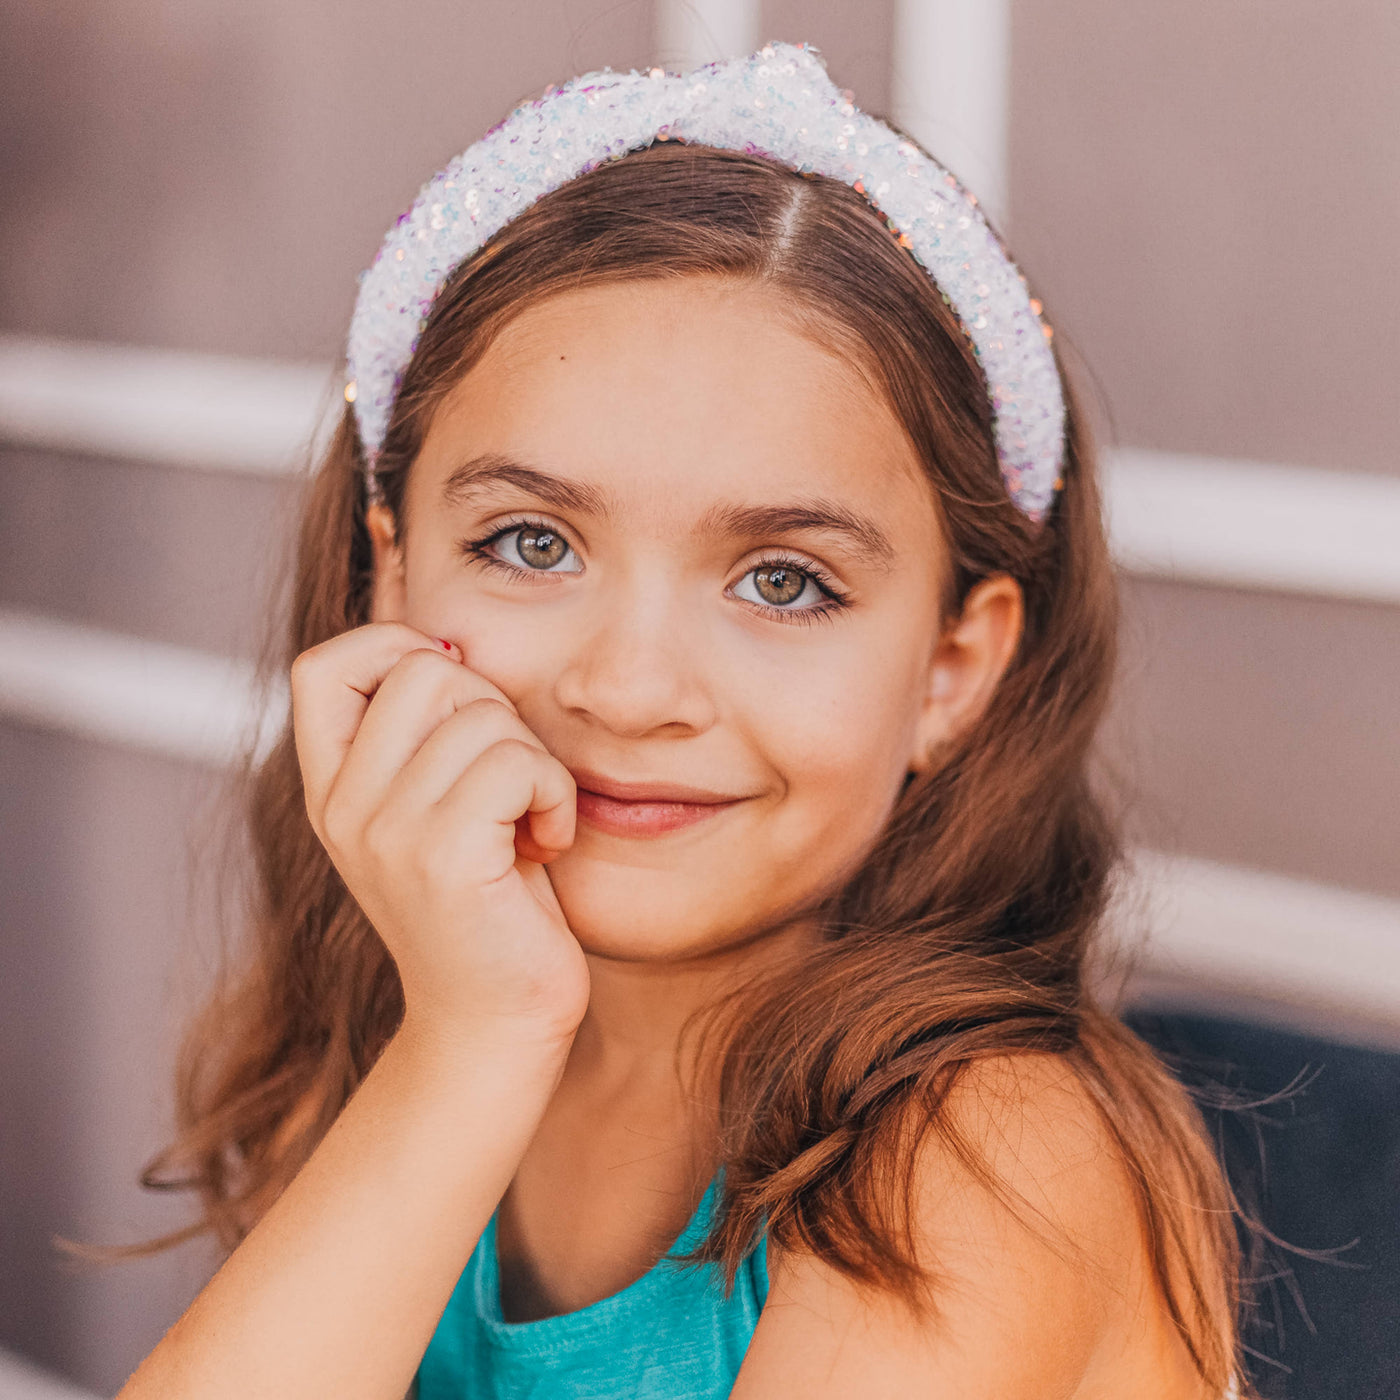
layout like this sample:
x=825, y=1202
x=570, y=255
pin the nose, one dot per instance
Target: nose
x=636, y=664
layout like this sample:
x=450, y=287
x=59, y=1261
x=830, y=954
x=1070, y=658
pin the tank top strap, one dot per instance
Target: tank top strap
x=672, y=1332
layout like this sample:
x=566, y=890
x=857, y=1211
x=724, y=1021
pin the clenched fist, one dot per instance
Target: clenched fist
x=440, y=808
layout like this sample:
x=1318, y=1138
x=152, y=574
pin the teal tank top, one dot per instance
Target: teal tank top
x=670, y=1335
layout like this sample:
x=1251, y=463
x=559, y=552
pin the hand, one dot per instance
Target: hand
x=440, y=808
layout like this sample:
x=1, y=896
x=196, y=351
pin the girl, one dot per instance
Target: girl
x=677, y=876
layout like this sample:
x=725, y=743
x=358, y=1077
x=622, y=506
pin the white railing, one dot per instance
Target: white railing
x=171, y=407
x=1317, y=956
x=1171, y=515
x=691, y=32
x=950, y=86
x=131, y=691
x=1255, y=525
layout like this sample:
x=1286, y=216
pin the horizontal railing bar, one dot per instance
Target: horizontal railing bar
x=1172, y=515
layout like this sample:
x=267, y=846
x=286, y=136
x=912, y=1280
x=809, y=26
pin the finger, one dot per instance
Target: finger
x=422, y=690
x=509, y=780
x=530, y=849
x=449, y=751
x=332, y=685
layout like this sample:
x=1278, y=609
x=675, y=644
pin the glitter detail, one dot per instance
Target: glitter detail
x=779, y=103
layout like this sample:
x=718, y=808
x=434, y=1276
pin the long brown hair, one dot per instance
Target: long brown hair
x=962, y=935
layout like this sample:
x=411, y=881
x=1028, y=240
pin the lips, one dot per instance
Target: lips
x=633, y=818
x=649, y=792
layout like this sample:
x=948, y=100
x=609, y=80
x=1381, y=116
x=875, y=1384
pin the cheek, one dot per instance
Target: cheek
x=841, y=749
x=440, y=603
x=850, y=719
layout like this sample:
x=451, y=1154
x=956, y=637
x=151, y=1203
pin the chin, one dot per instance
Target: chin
x=614, y=917
x=614, y=935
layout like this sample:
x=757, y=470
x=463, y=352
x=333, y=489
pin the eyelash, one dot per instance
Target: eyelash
x=834, y=598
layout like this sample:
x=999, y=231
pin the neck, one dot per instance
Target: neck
x=638, y=1101
x=638, y=1012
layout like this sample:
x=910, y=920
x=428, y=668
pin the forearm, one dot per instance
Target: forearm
x=337, y=1289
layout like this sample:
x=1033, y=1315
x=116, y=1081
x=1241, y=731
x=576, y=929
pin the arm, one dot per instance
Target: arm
x=337, y=1289
x=1063, y=1304
x=439, y=808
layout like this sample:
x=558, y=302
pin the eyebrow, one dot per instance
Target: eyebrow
x=481, y=473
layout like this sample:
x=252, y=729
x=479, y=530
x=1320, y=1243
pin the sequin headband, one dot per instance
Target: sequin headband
x=779, y=103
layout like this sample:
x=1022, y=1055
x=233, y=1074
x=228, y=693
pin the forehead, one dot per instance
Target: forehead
x=670, y=394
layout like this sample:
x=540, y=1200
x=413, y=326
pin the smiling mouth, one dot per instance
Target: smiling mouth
x=649, y=818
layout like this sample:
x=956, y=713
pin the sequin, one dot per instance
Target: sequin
x=780, y=103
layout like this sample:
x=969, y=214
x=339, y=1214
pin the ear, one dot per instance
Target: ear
x=967, y=662
x=387, y=601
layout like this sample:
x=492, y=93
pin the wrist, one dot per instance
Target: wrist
x=514, y=1044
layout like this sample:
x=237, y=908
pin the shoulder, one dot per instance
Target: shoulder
x=1027, y=1226
x=1026, y=1154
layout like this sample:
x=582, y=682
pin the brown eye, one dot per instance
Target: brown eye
x=541, y=549
x=779, y=584
x=527, y=549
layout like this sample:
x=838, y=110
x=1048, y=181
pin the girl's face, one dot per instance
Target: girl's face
x=693, y=547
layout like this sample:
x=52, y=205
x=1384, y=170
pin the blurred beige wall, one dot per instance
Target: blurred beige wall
x=1209, y=195
x=1206, y=195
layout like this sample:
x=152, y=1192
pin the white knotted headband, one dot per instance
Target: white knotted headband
x=777, y=102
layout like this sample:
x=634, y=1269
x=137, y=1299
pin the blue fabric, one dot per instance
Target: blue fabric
x=670, y=1335
x=1319, y=1169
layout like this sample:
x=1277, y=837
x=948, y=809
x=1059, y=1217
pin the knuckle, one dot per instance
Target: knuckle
x=512, y=751
x=303, y=664
x=418, y=666
x=447, y=680
x=488, y=708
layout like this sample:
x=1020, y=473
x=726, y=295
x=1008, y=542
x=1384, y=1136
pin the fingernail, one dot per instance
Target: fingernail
x=446, y=645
